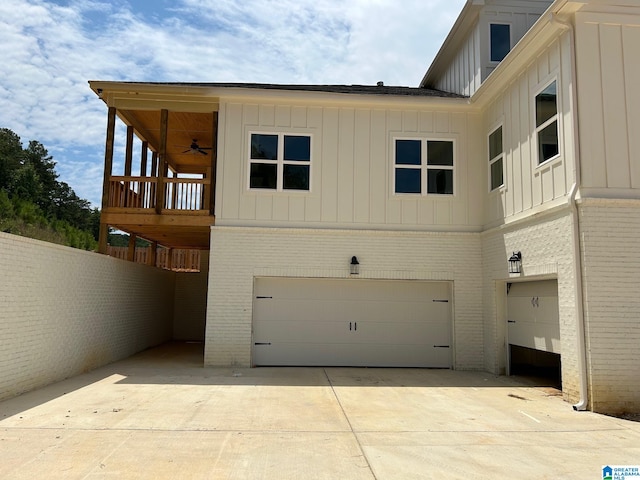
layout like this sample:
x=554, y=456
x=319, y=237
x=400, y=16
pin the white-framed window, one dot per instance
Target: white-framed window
x=499, y=41
x=279, y=161
x=546, y=108
x=423, y=166
x=496, y=159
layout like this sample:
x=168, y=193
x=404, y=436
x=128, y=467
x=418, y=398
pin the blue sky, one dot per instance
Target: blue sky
x=51, y=49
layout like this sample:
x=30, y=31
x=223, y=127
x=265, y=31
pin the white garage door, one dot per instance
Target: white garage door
x=533, y=318
x=351, y=322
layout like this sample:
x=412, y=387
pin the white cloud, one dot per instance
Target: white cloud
x=51, y=49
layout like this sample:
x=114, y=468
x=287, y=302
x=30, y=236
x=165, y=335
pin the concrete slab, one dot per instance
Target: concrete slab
x=159, y=414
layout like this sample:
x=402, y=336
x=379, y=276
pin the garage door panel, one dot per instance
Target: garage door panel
x=403, y=333
x=288, y=331
x=533, y=316
x=350, y=354
x=357, y=322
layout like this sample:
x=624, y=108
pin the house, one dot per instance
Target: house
x=485, y=220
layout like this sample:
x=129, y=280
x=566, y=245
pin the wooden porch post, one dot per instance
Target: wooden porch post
x=143, y=173
x=214, y=163
x=106, y=183
x=128, y=159
x=154, y=174
x=162, y=160
x=128, y=197
x=153, y=254
x=131, y=251
x=144, y=155
x=154, y=164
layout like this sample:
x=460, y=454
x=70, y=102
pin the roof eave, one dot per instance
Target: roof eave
x=115, y=93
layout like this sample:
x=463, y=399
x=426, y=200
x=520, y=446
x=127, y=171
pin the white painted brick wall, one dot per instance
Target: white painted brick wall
x=610, y=238
x=547, y=252
x=238, y=254
x=65, y=311
x=190, y=305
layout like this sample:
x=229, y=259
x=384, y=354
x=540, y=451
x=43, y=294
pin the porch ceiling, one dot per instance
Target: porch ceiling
x=183, y=128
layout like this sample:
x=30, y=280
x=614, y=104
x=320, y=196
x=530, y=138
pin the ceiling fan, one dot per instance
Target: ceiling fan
x=194, y=148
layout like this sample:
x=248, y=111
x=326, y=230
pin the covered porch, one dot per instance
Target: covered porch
x=163, y=190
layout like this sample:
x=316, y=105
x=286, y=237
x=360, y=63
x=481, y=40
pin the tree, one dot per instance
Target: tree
x=26, y=184
x=34, y=203
x=11, y=157
x=38, y=157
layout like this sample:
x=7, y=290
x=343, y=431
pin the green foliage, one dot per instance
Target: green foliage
x=33, y=203
x=122, y=240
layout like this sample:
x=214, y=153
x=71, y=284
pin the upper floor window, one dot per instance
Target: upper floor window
x=280, y=161
x=547, y=123
x=500, y=39
x=423, y=166
x=496, y=156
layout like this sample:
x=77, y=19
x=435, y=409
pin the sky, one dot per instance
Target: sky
x=49, y=50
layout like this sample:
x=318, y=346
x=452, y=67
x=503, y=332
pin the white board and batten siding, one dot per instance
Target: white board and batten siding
x=352, y=162
x=529, y=186
x=471, y=64
x=609, y=101
x=351, y=322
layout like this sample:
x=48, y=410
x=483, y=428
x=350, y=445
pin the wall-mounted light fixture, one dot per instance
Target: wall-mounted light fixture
x=354, y=266
x=515, y=262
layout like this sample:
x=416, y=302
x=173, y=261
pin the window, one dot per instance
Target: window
x=279, y=161
x=547, y=123
x=496, y=155
x=424, y=166
x=500, y=39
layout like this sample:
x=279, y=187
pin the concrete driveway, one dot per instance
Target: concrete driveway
x=159, y=414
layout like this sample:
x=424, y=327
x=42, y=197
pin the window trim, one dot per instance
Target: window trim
x=554, y=118
x=495, y=62
x=280, y=162
x=423, y=167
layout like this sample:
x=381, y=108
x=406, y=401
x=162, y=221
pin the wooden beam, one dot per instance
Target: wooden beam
x=166, y=219
x=162, y=160
x=108, y=166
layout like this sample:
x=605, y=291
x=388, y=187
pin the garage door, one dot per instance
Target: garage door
x=533, y=318
x=351, y=322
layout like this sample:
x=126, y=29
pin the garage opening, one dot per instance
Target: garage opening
x=533, y=329
x=542, y=367
x=351, y=322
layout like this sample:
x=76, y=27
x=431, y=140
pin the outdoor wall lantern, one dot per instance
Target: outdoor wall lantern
x=515, y=262
x=354, y=266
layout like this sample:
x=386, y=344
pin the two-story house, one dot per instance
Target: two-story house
x=484, y=220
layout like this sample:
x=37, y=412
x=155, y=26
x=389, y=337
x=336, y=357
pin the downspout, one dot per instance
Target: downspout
x=580, y=323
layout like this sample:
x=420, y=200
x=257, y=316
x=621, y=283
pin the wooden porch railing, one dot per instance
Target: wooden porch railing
x=185, y=194
x=180, y=260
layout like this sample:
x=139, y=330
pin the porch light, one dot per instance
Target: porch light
x=515, y=262
x=354, y=266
